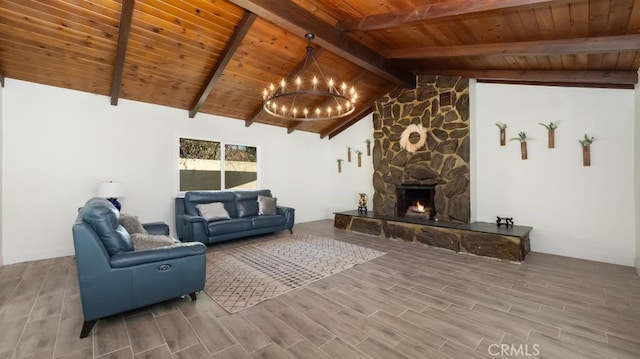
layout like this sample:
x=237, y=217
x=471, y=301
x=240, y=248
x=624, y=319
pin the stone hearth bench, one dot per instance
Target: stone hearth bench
x=479, y=238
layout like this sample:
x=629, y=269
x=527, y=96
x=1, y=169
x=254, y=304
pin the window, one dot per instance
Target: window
x=211, y=165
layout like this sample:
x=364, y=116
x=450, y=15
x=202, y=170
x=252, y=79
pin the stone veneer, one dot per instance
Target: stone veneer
x=441, y=105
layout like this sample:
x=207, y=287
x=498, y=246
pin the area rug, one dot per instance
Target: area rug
x=240, y=276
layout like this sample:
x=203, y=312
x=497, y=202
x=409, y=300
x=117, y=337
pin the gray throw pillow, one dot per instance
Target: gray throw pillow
x=213, y=211
x=143, y=241
x=131, y=224
x=267, y=205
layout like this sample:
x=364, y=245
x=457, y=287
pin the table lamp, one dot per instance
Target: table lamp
x=110, y=191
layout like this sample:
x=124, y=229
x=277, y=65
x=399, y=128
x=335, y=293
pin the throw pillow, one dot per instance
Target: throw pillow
x=213, y=211
x=267, y=205
x=143, y=241
x=131, y=224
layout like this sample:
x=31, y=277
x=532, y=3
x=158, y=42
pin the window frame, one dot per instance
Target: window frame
x=223, y=145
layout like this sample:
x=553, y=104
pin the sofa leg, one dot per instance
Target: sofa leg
x=193, y=296
x=86, y=327
x=290, y=230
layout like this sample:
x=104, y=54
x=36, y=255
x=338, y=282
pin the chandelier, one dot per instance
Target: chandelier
x=309, y=99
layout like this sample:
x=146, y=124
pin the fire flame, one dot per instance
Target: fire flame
x=419, y=207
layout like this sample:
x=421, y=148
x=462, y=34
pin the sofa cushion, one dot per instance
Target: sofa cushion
x=268, y=221
x=194, y=198
x=103, y=217
x=213, y=211
x=247, y=202
x=142, y=241
x=267, y=205
x=131, y=224
x=228, y=226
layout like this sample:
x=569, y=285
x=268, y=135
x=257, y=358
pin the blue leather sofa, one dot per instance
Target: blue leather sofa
x=242, y=207
x=114, y=278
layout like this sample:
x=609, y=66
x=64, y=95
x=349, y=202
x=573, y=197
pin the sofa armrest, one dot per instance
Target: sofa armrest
x=156, y=228
x=191, y=228
x=284, y=210
x=290, y=214
x=180, y=250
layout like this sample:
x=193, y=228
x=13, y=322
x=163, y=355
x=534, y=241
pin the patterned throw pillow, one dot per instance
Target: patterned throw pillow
x=213, y=211
x=267, y=205
x=149, y=241
x=131, y=224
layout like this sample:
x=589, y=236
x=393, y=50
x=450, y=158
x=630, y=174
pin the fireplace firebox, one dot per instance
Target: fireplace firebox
x=416, y=201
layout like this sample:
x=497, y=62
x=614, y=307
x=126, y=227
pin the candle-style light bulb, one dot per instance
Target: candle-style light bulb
x=329, y=110
x=284, y=110
x=353, y=90
x=330, y=85
x=271, y=88
x=315, y=82
x=344, y=88
x=306, y=112
x=318, y=112
x=265, y=93
x=298, y=82
x=339, y=108
x=282, y=85
x=295, y=112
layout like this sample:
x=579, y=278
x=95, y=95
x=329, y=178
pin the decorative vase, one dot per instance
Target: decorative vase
x=339, y=167
x=552, y=137
x=586, y=156
x=503, y=137
x=368, y=149
x=348, y=155
x=359, y=160
x=523, y=149
x=362, y=203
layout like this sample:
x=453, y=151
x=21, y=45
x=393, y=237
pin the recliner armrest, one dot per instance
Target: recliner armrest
x=156, y=228
x=180, y=250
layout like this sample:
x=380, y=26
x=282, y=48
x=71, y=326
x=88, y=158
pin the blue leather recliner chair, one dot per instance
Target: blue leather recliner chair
x=114, y=278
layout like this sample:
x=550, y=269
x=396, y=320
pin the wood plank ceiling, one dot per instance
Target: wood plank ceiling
x=216, y=56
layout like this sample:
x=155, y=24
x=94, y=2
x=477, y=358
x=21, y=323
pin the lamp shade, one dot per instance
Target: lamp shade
x=110, y=190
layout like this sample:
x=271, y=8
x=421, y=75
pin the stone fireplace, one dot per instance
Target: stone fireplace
x=416, y=201
x=441, y=105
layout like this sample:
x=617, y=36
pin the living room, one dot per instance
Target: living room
x=137, y=144
x=197, y=71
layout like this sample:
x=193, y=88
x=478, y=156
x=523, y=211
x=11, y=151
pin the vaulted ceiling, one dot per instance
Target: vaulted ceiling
x=216, y=56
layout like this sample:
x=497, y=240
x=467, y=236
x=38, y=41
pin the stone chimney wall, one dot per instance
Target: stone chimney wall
x=441, y=105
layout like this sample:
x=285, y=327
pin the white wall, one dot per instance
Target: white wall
x=346, y=186
x=637, y=175
x=58, y=144
x=1, y=177
x=576, y=211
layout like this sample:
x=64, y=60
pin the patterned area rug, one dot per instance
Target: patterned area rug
x=241, y=276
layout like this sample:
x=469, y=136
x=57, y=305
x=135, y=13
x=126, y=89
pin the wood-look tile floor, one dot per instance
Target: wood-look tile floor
x=413, y=302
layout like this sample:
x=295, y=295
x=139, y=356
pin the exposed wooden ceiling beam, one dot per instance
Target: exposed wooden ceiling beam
x=432, y=12
x=316, y=52
x=230, y=49
x=563, y=84
x=565, y=77
x=292, y=127
x=335, y=130
x=253, y=116
x=593, y=45
x=297, y=20
x=121, y=50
